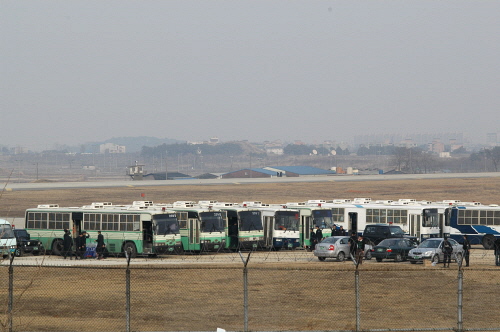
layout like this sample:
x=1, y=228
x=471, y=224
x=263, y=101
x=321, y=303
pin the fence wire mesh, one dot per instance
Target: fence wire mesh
x=286, y=292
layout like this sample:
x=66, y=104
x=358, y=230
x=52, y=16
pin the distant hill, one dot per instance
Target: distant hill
x=135, y=144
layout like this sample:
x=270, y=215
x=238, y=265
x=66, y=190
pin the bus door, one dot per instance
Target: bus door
x=194, y=232
x=414, y=227
x=353, y=222
x=305, y=227
x=268, y=231
x=147, y=236
x=441, y=224
x=77, y=226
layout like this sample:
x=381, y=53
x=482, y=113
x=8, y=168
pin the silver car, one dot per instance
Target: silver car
x=433, y=249
x=333, y=247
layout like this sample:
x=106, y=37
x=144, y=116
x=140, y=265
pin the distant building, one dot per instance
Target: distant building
x=491, y=139
x=111, y=148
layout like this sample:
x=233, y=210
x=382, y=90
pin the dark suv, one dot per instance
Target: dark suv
x=375, y=233
x=26, y=245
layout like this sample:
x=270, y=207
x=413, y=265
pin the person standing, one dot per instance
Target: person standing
x=100, y=247
x=360, y=250
x=497, y=251
x=319, y=234
x=352, y=245
x=466, y=247
x=67, y=244
x=447, y=250
x=312, y=238
x=341, y=231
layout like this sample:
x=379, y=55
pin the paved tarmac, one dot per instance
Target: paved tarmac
x=329, y=178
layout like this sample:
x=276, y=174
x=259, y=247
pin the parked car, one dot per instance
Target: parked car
x=395, y=248
x=26, y=245
x=337, y=247
x=375, y=233
x=433, y=249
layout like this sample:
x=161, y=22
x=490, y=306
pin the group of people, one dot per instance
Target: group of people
x=80, y=245
x=316, y=235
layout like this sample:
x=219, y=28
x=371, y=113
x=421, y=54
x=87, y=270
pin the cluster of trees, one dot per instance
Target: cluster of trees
x=492, y=155
x=304, y=150
x=183, y=149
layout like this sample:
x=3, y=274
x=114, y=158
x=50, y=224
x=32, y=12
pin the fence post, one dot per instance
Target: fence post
x=245, y=291
x=127, y=291
x=11, y=291
x=460, y=298
x=358, y=311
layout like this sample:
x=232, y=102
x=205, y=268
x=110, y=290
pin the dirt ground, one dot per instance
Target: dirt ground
x=289, y=294
x=487, y=191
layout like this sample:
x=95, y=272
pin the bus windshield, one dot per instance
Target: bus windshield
x=430, y=218
x=250, y=221
x=287, y=220
x=211, y=222
x=166, y=224
x=6, y=231
x=323, y=218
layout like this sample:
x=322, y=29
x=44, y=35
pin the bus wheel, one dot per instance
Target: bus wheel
x=130, y=248
x=57, y=247
x=488, y=241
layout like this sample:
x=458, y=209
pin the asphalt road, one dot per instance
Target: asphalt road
x=331, y=178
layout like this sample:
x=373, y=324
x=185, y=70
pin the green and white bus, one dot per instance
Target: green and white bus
x=139, y=228
x=312, y=215
x=8, y=243
x=202, y=227
x=244, y=224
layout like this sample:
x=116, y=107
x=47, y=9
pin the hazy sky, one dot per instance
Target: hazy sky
x=79, y=71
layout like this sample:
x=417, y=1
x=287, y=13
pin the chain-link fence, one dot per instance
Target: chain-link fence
x=285, y=294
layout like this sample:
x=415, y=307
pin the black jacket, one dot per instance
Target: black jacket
x=67, y=241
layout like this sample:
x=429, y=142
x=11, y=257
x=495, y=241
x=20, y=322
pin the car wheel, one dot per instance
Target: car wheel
x=435, y=259
x=413, y=262
x=322, y=258
x=368, y=255
x=379, y=259
x=341, y=256
x=398, y=258
x=458, y=258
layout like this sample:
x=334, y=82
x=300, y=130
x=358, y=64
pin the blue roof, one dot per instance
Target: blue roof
x=303, y=170
x=259, y=170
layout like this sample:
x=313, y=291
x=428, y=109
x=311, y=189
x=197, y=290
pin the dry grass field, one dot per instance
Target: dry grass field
x=286, y=295
x=486, y=191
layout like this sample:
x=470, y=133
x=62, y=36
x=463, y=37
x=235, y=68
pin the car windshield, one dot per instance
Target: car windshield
x=21, y=233
x=330, y=240
x=430, y=244
x=396, y=230
x=389, y=242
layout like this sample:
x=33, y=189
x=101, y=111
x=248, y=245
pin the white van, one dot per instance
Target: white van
x=7, y=239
